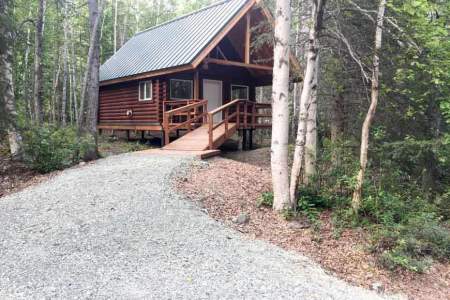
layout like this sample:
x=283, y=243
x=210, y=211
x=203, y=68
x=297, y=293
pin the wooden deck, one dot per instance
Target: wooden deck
x=198, y=139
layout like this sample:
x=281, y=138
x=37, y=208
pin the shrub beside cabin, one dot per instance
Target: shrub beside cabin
x=196, y=74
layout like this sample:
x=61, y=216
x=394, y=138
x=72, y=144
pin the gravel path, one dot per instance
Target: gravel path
x=115, y=229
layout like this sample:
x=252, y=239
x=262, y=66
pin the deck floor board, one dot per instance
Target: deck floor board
x=198, y=139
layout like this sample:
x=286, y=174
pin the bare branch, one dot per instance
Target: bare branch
x=352, y=53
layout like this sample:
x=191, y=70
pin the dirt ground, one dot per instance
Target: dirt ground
x=231, y=185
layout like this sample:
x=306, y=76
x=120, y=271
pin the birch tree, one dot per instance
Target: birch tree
x=6, y=80
x=356, y=200
x=280, y=102
x=38, y=72
x=305, y=97
x=311, y=128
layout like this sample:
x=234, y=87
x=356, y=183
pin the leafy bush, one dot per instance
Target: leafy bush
x=414, y=243
x=406, y=198
x=49, y=148
x=266, y=199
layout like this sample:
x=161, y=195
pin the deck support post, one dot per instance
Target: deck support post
x=143, y=136
x=250, y=146
x=244, y=139
x=163, y=138
x=128, y=135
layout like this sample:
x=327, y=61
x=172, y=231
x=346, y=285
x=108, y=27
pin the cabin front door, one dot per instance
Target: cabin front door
x=212, y=91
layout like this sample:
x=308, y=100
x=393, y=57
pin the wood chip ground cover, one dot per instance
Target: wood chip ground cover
x=227, y=187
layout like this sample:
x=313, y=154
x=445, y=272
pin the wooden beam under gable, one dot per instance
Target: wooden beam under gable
x=292, y=59
x=224, y=32
x=238, y=64
x=247, y=38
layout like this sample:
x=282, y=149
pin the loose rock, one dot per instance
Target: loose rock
x=242, y=218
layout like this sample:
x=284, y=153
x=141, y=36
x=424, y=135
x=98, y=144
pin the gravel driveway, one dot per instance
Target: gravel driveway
x=116, y=229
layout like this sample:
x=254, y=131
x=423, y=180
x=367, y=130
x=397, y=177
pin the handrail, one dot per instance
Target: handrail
x=241, y=113
x=227, y=118
x=221, y=108
x=186, y=107
x=192, y=113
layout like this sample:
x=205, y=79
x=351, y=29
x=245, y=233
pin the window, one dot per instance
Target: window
x=145, y=91
x=181, y=89
x=239, y=92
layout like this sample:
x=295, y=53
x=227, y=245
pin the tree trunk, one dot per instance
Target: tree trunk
x=6, y=81
x=38, y=73
x=280, y=102
x=357, y=194
x=25, y=75
x=54, y=99
x=93, y=87
x=123, y=33
x=90, y=85
x=65, y=66
x=297, y=86
x=116, y=4
x=74, y=84
x=308, y=84
x=91, y=59
x=311, y=129
x=337, y=118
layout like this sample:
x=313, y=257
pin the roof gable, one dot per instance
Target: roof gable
x=171, y=44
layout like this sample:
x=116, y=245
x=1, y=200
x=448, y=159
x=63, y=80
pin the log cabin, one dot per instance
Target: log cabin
x=196, y=74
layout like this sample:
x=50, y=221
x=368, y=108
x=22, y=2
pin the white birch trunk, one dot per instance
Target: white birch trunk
x=280, y=109
x=357, y=194
x=311, y=129
x=305, y=98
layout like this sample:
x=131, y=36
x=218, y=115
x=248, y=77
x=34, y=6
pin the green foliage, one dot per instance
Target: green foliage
x=310, y=203
x=288, y=214
x=49, y=148
x=406, y=198
x=266, y=199
x=413, y=243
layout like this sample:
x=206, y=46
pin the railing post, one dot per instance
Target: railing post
x=245, y=114
x=238, y=116
x=166, y=129
x=254, y=115
x=210, y=131
x=226, y=120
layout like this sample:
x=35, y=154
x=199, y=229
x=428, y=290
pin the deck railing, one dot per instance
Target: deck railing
x=188, y=117
x=243, y=114
x=236, y=114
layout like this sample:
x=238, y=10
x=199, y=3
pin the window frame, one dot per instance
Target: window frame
x=241, y=86
x=184, y=80
x=141, y=99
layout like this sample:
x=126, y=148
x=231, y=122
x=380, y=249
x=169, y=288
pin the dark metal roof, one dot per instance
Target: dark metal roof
x=171, y=44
